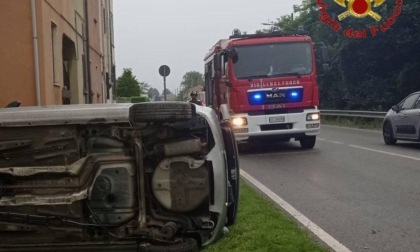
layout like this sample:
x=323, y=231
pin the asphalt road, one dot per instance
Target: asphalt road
x=363, y=193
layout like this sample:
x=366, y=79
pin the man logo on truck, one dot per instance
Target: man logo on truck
x=275, y=95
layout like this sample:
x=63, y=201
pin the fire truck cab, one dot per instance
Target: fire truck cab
x=265, y=85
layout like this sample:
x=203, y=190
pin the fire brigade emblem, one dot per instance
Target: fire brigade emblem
x=359, y=8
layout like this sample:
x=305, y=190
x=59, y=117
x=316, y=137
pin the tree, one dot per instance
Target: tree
x=153, y=94
x=190, y=80
x=144, y=86
x=366, y=74
x=168, y=92
x=127, y=84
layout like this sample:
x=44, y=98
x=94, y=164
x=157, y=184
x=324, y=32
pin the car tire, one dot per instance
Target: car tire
x=187, y=245
x=161, y=112
x=307, y=142
x=388, y=134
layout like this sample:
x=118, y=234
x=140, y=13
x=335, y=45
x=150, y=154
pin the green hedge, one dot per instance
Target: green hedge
x=137, y=99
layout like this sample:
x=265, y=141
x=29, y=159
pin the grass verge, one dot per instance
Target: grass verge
x=261, y=226
x=353, y=122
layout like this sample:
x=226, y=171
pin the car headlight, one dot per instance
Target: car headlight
x=312, y=117
x=239, y=121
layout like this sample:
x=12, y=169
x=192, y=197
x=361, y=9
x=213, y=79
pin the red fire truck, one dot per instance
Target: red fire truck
x=265, y=85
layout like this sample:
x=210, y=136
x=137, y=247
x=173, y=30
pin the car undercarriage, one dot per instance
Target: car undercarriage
x=127, y=184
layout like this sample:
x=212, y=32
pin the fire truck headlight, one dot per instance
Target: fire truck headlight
x=312, y=117
x=239, y=121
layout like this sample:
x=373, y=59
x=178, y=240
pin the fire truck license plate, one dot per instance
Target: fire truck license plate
x=276, y=119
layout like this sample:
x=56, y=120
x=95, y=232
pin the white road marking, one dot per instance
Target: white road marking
x=334, y=142
x=374, y=150
x=385, y=152
x=315, y=229
x=297, y=152
x=325, y=140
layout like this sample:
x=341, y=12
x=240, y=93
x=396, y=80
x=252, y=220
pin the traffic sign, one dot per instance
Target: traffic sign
x=164, y=70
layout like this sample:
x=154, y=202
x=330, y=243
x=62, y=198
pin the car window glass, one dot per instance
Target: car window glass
x=417, y=104
x=409, y=102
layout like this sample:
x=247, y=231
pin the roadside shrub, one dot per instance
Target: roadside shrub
x=137, y=99
x=123, y=99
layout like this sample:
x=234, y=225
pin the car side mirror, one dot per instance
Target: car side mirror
x=322, y=58
x=396, y=108
x=326, y=67
x=233, y=54
x=217, y=63
x=325, y=58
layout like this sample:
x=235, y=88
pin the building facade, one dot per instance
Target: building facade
x=56, y=52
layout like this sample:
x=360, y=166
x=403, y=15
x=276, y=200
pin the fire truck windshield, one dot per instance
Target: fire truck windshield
x=271, y=60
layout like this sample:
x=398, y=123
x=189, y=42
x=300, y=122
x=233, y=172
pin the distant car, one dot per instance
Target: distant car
x=158, y=176
x=402, y=122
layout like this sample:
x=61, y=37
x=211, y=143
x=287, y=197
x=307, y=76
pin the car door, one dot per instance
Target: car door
x=405, y=119
x=415, y=114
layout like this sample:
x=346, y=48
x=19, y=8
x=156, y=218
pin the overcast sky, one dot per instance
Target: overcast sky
x=178, y=33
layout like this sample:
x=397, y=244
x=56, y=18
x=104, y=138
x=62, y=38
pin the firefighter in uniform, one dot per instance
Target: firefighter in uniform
x=194, y=98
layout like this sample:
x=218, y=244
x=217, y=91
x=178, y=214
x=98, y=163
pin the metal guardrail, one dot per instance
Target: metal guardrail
x=354, y=113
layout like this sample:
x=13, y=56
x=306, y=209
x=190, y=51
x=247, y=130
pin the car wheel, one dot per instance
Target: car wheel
x=307, y=142
x=233, y=173
x=187, y=245
x=388, y=134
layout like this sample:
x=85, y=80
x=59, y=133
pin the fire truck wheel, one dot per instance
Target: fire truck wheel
x=244, y=147
x=307, y=142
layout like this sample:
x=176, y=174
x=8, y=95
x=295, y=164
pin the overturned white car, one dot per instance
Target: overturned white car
x=160, y=176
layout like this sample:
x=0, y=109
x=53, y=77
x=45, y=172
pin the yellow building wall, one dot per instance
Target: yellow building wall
x=96, y=67
x=16, y=53
x=56, y=19
x=68, y=18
